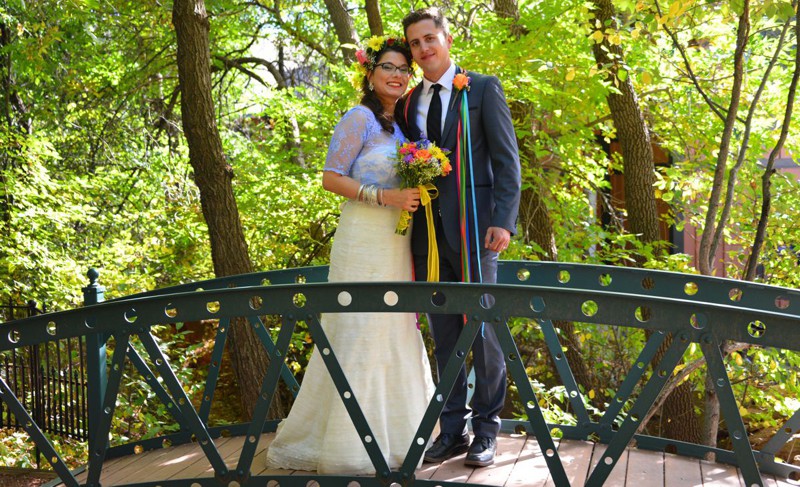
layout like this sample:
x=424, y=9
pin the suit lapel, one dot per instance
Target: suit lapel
x=453, y=108
x=410, y=113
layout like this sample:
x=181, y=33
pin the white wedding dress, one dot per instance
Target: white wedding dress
x=382, y=354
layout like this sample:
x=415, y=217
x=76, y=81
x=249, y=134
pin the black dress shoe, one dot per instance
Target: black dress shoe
x=446, y=446
x=481, y=452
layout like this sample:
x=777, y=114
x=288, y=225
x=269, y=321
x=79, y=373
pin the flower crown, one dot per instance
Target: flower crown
x=367, y=57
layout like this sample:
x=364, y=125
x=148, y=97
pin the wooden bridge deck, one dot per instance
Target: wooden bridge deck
x=519, y=463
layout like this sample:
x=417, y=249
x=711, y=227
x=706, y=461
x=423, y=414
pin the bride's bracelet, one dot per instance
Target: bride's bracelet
x=370, y=194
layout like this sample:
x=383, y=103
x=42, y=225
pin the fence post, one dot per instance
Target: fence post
x=96, y=374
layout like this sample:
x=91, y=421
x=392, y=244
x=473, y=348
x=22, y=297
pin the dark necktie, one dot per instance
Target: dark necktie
x=434, y=121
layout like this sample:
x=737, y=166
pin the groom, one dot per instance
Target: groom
x=432, y=110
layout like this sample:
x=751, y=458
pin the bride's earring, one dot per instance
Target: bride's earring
x=371, y=86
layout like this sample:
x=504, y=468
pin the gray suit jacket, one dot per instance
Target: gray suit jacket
x=495, y=162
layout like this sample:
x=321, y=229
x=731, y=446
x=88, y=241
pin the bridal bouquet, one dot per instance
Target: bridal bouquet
x=418, y=164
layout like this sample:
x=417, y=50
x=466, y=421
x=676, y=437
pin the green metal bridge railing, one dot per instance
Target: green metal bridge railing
x=688, y=308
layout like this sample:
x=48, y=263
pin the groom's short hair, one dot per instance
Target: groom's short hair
x=432, y=13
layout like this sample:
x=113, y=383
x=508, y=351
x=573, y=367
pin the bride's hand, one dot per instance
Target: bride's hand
x=405, y=199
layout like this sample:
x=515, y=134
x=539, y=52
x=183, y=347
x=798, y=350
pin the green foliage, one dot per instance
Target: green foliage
x=17, y=450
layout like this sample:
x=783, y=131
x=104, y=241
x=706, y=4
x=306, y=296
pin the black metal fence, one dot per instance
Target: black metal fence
x=49, y=378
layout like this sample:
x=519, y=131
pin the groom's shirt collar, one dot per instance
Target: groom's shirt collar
x=446, y=80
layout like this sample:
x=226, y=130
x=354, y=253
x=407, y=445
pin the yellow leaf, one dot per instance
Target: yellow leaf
x=591, y=394
x=635, y=33
x=615, y=39
x=743, y=411
x=737, y=358
x=542, y=403
x=647, y=78
x=570, y=74
x=597, y=36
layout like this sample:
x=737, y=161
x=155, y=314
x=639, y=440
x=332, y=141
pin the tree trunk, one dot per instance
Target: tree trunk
x=373, y=9
x=766, y=183
x=678, y=418
x=538, y=228
x=343, y=25
x=708, y=244
x=213, y=177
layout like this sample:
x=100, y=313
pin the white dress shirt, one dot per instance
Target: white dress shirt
x=427, y=92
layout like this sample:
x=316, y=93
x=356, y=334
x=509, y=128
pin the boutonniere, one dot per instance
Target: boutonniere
x=460, y=85
x=461, y=81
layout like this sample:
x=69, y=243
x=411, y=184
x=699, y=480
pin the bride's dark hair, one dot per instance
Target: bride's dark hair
x=369, y=99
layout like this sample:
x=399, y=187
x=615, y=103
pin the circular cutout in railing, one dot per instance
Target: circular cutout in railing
x=212, y=306
x=698, y=321
x=344, y=298
x=439, y=398
x=312, y=483
x=266, y=282
x=199, y=290
x=299, y=300
x=782, y=302
x=735, y=294
x=138, y=449
x=756, y=329
x=550, y=452
x=368, y=439
x=523, y=275
x=438, y=298
x=487, y=301
x=563, y=277
x=273, y=483
x=326, y=351
x=90, y=322
x=353, y=483
x=51, y=328
x=166, y=443
x=589, y=308
x=520, y=429
x=256, y=302
x=556, y=433
x=604, y=279
x=648, y=283
x=347, y=395
x=642, y=314
x=170, y=311
x=391, y=298
x=300, y=279
x=690, y=288
x=537, y=304
x=234, y=483
x=130, y=315
x=608, y=460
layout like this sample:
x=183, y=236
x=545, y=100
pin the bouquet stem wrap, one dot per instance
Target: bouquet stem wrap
x=428, y=193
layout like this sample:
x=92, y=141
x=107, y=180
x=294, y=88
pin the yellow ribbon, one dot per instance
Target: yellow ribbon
x=428, y=193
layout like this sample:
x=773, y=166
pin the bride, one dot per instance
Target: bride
x=382, y=354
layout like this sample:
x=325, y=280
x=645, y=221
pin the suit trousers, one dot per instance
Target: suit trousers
x=488, y=361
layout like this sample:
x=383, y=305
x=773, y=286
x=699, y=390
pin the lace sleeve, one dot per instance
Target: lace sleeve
x=348, y=139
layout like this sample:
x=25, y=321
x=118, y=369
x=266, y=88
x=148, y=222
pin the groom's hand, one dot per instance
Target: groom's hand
x=497, y=239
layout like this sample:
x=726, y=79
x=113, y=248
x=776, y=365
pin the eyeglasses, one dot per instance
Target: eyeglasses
x=390, y=68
